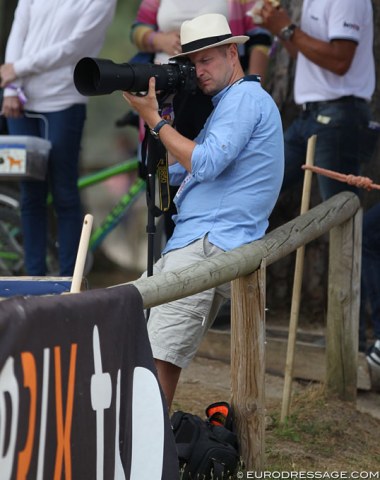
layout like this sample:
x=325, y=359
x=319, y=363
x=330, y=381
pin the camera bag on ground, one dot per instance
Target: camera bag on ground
x=207, y=449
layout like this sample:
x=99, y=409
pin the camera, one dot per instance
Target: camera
x=96, y=76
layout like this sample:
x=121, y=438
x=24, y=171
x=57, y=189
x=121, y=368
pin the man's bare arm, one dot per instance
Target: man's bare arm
x=335, y=56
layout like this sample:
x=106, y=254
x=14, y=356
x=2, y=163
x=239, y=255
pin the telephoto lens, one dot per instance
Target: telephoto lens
x=96, y=76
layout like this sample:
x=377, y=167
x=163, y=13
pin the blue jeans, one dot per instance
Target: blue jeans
x=65, y=133
x=370, y=285
x=339, y=127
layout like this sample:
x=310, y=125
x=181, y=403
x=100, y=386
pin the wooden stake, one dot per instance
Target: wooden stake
x=82, y=253
x=297, y=284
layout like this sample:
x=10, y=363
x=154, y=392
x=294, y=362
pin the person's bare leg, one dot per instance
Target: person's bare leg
x=168, y=376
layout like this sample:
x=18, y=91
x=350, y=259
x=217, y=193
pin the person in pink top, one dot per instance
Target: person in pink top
x=156, y=29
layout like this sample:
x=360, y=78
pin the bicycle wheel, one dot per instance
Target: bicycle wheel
x=10, y=196
x=11, y=246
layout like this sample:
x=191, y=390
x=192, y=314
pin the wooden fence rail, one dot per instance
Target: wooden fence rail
x=341, y=215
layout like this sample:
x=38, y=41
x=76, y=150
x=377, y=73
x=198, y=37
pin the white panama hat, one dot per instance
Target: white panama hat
x=206, y=31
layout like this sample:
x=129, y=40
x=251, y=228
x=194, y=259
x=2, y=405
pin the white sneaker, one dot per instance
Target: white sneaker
x=373, y=357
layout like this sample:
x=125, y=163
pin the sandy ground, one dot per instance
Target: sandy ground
x=206, y=381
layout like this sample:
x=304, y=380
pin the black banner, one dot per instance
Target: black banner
x=79, y=396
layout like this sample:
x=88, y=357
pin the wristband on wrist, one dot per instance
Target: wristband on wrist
x=19, y=91
x=156, y=130
x=287, y=32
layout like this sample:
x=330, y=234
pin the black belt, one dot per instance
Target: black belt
x=347, y=99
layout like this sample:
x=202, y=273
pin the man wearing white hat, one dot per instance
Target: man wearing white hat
x=229, y=178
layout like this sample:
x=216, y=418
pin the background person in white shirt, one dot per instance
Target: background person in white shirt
x=46, y=41
x=334, y=83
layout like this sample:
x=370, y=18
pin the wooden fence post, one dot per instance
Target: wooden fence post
x=343, y=308
x=248, y=365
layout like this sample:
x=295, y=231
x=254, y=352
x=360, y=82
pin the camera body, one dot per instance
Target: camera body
x=96, y=76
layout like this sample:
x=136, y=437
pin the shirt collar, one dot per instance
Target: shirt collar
x=216, y=98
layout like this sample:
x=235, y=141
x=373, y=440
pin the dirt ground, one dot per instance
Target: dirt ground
x=321, y=435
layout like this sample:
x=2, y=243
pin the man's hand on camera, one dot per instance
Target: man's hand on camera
x=176, y=144
x=146, y=106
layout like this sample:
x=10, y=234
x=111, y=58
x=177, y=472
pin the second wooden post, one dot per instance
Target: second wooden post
x=248, y=365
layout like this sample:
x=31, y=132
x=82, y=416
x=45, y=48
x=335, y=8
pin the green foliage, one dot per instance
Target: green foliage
x=287, y=430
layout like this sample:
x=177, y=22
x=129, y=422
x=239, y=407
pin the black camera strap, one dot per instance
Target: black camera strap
x=251, y=78
x=155, y=163
x=154, y=168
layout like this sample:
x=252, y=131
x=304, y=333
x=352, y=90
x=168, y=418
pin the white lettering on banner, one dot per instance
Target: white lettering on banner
x=147, y=427
x=39, y=394
x=8, y=384
x=119, y=471
x=101, y=396
x=44, y=411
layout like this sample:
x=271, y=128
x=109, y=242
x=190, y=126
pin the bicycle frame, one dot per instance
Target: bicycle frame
x=11, y=227
x=114, y=217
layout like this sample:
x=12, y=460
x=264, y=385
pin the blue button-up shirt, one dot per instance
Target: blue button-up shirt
x=237, y=171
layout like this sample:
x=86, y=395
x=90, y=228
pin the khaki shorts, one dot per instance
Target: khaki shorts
x=176, y=329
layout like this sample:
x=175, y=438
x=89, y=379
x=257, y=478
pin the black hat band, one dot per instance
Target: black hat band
x=204, y=42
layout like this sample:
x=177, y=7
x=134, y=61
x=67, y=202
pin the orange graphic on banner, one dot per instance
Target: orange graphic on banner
x=30, y=381
x=64, y=432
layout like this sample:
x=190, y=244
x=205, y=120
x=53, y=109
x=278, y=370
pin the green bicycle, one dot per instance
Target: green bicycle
x=11, y=248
